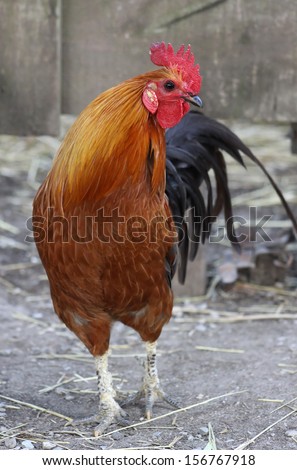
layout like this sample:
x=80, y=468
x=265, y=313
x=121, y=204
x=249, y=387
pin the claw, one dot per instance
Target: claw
x=150, y=395
x=108, y=418
x=87, y=420
x=150, y=400
x=131, y=399
x=105, y=418
x=171, y=401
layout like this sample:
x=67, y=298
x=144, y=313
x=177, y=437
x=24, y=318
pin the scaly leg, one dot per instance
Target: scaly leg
x=151, y=389
x=151, y=383
x=109, y=410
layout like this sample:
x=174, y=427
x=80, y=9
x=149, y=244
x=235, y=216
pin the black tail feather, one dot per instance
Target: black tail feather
x=193, y=148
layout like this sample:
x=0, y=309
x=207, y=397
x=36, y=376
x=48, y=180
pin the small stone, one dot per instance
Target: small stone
x=291, y=433
x=48, y=445
x=200, y=327
x=68, y=396
x=117, y=436
x=10, y=442
x=196, y=444
x=177, y=311
x=37, y=315
x=5, y=352
x=27, y=445
x=203, y=431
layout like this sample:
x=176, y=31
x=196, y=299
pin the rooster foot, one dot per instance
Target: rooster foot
x=151, y=389
x=109, y=410
x=109, y=413
x=150, y=394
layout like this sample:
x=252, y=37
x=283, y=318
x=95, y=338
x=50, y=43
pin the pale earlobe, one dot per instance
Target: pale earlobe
x=150, y=100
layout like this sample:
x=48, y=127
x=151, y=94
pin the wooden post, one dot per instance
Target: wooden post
x=195, y=284
x=30, y=67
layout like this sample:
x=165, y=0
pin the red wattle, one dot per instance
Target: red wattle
x=170, y=113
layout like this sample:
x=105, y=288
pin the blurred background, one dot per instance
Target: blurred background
x=57, y=55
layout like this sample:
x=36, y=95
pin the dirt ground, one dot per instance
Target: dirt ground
x=229, y=357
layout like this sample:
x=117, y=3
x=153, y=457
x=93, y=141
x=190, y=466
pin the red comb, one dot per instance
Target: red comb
x=183, y=60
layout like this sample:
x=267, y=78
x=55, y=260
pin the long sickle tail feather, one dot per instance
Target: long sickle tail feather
x=193, y=148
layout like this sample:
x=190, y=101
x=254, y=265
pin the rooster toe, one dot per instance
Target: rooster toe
x=105, y=418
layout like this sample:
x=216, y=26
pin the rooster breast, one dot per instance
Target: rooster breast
x=117, y=272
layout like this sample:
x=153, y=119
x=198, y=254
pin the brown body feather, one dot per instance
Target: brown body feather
x=111, y=165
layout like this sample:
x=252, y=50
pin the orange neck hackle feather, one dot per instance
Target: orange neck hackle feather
x=107, y=147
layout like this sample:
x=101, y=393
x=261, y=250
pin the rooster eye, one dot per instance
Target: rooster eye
x=169, y=85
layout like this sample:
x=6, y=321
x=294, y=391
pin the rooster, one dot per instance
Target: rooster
x=109, y=219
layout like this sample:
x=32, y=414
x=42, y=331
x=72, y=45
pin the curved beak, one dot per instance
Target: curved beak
x=195, y=100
